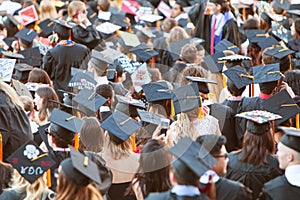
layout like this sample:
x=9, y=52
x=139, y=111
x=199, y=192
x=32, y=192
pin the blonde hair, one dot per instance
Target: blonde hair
x=74, y=7
x=67, y=189
x=47, y=10
x=11, y=94
x=117, y=151
x=177, y=33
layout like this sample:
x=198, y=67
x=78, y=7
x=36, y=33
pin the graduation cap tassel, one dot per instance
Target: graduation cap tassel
x=48, y=174
x=252, y=90
x=133, y=144
x=76, y=141
x=244, y=14
x=172, y=109
x=1, y=148
x=224, y=80
x=200, y=111
x=298, y=121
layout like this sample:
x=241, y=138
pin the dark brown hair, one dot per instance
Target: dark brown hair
x=254, y=51
x=38, y=75
x=47, y=93
x=256, y=148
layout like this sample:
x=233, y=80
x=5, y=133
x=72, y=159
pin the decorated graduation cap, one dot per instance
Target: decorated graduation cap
x=191, y=159
x=266, y=73
x=279, y=52
x=32, y=57
x=89, y=100
x=120, y=126
x=131, y=101
x=258, y=121
x=26, y=36
x=22, y=71
x=65, y=123
x=30, y=161
x=108, y=28
x=150, y=117
x=6, y=69
x=47, y=27
x=268, y=42
x=226, y=45
x=140, y=77
x=186, y=98
x=130, y=40
x=201, y=82
x=156, y=91
x=80, y=169
x=212, y=62
x=239, y=76
x=82, y=80
x=291, y=138
x=281, y=104
x=255, y=36
x=283, y=4
x=143, y=52
x=233, y=58
x=21, y=88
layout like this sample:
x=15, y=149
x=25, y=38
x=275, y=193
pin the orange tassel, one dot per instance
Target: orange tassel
x=133, y=144
x=76, y=141
x=48, y=173
x=252, y=90
x=297, y=121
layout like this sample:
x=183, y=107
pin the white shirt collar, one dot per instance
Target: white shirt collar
x=292, y=174
x=204, y=179
x=185, y=190
x=104, y=109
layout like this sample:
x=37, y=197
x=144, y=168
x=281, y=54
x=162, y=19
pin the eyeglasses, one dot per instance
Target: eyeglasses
x=221, y=156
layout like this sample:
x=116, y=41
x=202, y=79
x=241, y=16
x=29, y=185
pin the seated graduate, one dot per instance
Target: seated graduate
x=225, y=189
x=286, y=186
x=188, y=166
x=255, y=163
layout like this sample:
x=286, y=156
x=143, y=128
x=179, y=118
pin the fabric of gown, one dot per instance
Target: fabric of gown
x=252, y=176
x=278, y=189
x=14, y=126
x=171, y=196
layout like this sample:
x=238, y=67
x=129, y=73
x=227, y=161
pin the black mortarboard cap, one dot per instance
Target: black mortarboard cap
x=9, y=41
x=258, y=121
x=279, y=52
x=143, y=52
x=26, y=36
x=21, y=88
x=22, y=71
x=32, y=56
x=239, y=76
x=255, y=36
x=120, y=20
x=291, y=138
x=65, y=120
x=30, y=161
x=268, y=42
x=111, y=72
x=213, y=64
x=283, y=4
x=175, y=48
x=226, y=45
x=267, y=17
x=186, y=98
x=193, y=156
x=295, y=12
x=89, y=100
x=92, y=16
x=120, y=126
x=201, y=82
x=6, y=69
x=12, y=55
x=150, y=117
x=80, y=168
x=82, y=80
x=281, y=104
x=47, y=27
x=156, y=91
x=266, y=73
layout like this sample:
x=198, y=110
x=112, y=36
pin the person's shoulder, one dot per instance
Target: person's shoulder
x=276, y=183
x=236, y=189
x=11, y=195
x=81, y=46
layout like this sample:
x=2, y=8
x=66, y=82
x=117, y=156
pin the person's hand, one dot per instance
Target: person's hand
x=16, y=47
x=206, y=110
x=285, y=86
x=53, y=39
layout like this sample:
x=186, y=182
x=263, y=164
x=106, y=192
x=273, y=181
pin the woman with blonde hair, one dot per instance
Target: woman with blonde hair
x=47, y=10
x=14, y=123
x=83, y=31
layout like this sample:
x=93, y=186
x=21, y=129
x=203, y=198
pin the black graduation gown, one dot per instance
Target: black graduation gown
x=58, y=63
x=231, y=190
x=171, y=196
x=294, y=45
x=252, y=176
x=278, y=189
x=229, y=128
x=14, y=126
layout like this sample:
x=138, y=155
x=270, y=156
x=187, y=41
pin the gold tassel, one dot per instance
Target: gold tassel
x=200, y=113
x=48, y=174
x=172, y=109
x=224, y=81
x=76, y=141
x=133, y=144
x=297, y=121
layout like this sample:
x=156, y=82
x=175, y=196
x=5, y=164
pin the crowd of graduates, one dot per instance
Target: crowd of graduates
x=149, y=99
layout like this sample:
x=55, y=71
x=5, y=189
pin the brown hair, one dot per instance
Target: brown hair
x=192, y=71
x=254, y=51
x=168, y=24
x=38, y=75
x=67, y=189
x=256, y=148
x=47, y=93
x=189, y=53
x=177, y=33
x=28, y=103
x=104, y=5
